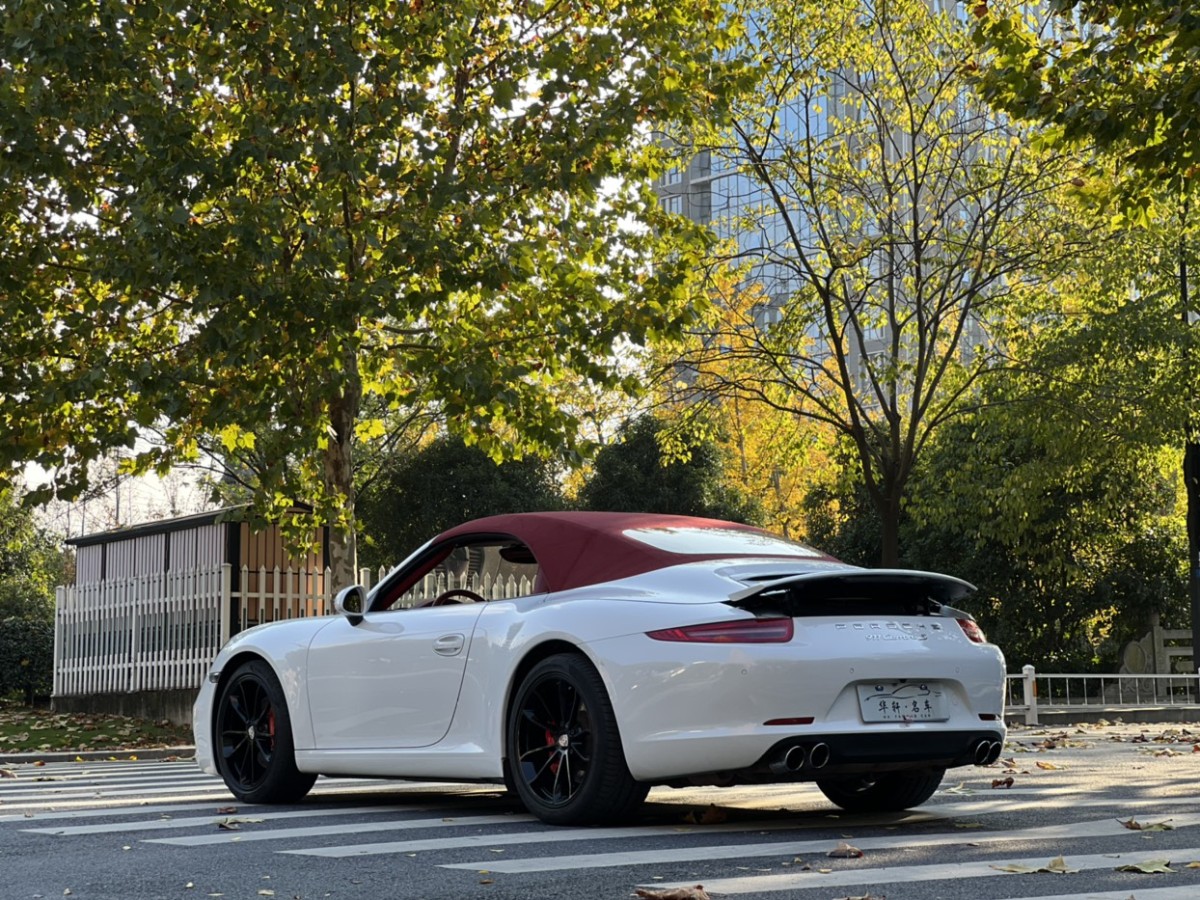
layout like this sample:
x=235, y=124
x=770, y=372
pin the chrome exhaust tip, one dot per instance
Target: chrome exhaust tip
x=818, y=756
x=790, y=762
x=793, y=760
x=987, y=752
x=981, y=752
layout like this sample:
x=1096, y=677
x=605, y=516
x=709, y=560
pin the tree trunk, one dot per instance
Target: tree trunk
x=338, y=470
x=889, y=532
x=1191, y=482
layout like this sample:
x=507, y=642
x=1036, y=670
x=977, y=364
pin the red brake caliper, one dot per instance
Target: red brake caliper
x=271, y=726
x=550, y=743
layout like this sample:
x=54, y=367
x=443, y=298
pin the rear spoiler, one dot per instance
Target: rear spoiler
x=878, y=584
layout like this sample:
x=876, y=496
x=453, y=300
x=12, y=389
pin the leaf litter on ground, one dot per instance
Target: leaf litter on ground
x=845, y=851
x=1149, y=867
x=1056, y=866
x=714, y=815
x=679, y=893
x=1135, y=825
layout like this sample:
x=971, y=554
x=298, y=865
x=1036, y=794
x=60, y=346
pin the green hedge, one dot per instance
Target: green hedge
x=26, y=657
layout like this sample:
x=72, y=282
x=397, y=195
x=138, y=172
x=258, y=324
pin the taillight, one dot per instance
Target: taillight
x=742, y=631
x=972, y=630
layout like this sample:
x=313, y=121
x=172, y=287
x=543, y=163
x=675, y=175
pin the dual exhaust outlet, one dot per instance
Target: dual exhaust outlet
x=987, y=752
x=816, y=756
x=796, y=757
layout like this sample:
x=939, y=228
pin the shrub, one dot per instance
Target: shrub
x=26, y=657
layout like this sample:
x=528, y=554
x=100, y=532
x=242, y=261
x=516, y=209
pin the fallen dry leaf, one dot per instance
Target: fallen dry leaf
x=232, y=824
x=7, y=773
x=1002, y=782
x=714, y=815
x=1045, y=765
x=681, y=893
x=1149, y=867
x=845, y=851
x=1135, y=825
x=226, y=810
x=1056, y=866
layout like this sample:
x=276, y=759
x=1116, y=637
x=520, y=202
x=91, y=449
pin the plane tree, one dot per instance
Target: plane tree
x=265, y=228
x=1121, y=78
x=881, y=220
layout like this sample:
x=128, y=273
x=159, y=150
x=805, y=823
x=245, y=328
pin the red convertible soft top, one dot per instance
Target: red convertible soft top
x=574, y=549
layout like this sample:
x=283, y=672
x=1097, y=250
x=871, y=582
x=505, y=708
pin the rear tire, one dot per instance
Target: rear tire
x=887, y=792
x=565, y=761
x=253, y=738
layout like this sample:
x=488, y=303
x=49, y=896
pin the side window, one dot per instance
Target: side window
x=495, y=570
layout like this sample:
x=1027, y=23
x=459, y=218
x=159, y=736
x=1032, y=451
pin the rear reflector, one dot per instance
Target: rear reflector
x=972, y=630
x=801, y=720
x=742, y=631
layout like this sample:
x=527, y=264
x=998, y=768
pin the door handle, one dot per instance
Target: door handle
x=448, y=645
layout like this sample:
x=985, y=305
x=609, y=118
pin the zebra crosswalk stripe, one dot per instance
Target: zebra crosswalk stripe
x=249, y=814
x=1178, y=892
x=794, y=881
x=276, y=834
x=1100, y=828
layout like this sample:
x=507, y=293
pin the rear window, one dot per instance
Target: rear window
x=720, y=542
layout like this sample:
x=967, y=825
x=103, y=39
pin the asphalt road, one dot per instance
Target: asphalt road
x=128, y=830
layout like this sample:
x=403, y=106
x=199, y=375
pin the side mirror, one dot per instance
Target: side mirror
x=351, y=602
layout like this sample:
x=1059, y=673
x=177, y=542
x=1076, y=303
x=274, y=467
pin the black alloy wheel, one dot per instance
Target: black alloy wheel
x=255, y=752
x=565, y=759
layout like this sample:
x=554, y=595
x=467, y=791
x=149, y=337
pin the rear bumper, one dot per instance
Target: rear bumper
x=847, y=754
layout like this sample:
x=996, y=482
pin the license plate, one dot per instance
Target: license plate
x=902, y=701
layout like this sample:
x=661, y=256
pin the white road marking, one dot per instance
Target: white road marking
x=266, y=814
x=793, y=881
x=140, y=809
x=549, y=836
x=1178, y=892
x=251, y=833
x=790, y=849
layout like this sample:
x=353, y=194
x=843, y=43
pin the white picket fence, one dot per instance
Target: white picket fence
x=161, y=632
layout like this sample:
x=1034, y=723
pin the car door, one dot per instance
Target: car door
x=390, y=681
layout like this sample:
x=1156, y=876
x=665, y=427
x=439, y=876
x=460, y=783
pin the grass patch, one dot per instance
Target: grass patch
x=29, y=730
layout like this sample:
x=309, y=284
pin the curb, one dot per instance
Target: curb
x=123, y=755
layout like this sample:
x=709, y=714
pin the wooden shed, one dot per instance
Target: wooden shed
x=153, y=603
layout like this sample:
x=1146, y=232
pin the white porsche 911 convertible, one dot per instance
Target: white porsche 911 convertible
x=594, y=655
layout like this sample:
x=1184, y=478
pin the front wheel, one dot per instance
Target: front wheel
x=255, y=752
x=564, y=759
x=887, y=792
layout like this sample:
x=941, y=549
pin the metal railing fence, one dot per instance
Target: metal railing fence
x=1033, y=691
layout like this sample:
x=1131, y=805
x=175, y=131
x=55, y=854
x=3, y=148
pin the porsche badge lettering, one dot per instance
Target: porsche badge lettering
x=891, y=631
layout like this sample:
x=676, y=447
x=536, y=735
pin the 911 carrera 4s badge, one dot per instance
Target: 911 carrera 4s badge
x=902, y=701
